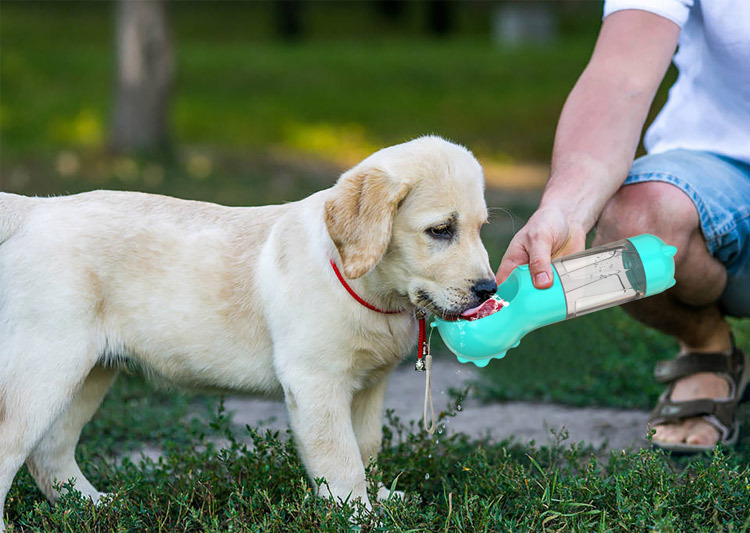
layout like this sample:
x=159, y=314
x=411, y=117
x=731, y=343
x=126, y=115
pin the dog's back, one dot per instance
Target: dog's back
x=141, y=275
x=11, y=212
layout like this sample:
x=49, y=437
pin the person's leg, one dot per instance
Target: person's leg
x=689, y=311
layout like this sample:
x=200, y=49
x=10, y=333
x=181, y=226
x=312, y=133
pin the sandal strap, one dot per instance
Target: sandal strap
x=671, y=411
x=720, y=413
x=692, y=363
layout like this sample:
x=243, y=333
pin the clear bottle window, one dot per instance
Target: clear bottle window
x=595, y=279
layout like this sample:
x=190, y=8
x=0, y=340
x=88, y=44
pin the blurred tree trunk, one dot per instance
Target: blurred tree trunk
x=440, y=17
x=391, y=10
x=288, y=16
x=145, y=70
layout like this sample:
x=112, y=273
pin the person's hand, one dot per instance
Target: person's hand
x=548, y=233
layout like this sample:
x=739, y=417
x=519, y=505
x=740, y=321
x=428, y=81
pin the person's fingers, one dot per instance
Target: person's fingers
x=575, y=242
x=546, y=233
x=539, y=262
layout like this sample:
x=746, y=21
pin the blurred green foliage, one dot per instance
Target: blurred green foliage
x=238, y=86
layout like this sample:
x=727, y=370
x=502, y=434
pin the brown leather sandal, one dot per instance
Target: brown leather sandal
x=720, y=413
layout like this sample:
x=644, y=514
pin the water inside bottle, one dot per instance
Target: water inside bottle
x=601, y=277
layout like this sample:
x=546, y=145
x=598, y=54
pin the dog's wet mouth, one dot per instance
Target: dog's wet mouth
x=486, y=308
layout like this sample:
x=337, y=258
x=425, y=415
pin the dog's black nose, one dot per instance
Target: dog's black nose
x=484, y=289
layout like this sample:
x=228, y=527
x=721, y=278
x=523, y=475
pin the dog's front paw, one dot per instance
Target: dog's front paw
x=100, y=497
x=384, y=493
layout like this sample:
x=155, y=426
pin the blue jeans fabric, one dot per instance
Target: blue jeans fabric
x=720, y=189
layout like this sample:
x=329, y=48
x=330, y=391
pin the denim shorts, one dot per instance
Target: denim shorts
x=720, y=189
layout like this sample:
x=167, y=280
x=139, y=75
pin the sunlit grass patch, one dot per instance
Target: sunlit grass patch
x=344, y=144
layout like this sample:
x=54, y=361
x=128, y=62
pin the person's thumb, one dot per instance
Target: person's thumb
x=512, y=258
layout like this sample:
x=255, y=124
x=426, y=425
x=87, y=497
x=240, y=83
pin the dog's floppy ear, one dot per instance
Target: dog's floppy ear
x=359, y=217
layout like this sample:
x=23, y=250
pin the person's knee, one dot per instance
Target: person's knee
x=652, y=207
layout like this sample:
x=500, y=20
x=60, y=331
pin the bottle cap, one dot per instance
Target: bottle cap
x=658, y=262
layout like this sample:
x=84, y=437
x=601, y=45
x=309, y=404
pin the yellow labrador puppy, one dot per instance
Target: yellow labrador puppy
x=241, y=299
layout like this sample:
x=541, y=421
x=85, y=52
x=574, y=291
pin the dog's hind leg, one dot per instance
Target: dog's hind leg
x=40, y=372
x=367, y=419
x=53, y=459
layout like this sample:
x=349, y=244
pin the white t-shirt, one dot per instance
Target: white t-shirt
x=709, y=104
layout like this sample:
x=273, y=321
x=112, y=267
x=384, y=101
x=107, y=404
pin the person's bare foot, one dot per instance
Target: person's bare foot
x=694, y=430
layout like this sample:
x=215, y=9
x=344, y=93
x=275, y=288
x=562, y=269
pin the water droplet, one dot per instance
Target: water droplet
x=427, y=476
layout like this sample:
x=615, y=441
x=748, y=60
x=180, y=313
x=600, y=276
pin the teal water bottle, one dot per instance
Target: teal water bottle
x=602, y=277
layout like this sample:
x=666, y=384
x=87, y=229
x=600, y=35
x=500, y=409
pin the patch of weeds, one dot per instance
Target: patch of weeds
x=452, y=483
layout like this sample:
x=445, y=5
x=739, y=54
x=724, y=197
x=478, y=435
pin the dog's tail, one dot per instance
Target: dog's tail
x=10, y=215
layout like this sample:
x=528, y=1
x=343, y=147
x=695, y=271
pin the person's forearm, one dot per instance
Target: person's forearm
x=601, y=122
x=594, y=147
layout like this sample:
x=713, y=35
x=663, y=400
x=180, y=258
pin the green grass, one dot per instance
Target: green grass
x=453, y=484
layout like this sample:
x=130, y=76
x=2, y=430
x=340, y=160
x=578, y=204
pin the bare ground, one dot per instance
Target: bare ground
x=522, y=421
x=603, y=428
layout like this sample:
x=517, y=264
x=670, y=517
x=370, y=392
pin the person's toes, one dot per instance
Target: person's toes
x=703, y=434
x=666, y=433
x=690, y=431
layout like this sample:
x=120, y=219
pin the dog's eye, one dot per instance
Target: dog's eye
x=444, y=231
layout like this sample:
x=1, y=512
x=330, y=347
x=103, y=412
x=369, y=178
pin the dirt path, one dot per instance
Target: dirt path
x=521, y=421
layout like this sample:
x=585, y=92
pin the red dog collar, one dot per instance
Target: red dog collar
x=423, y=347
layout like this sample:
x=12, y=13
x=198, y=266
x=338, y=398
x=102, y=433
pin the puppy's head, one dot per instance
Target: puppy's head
x=408, y=217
